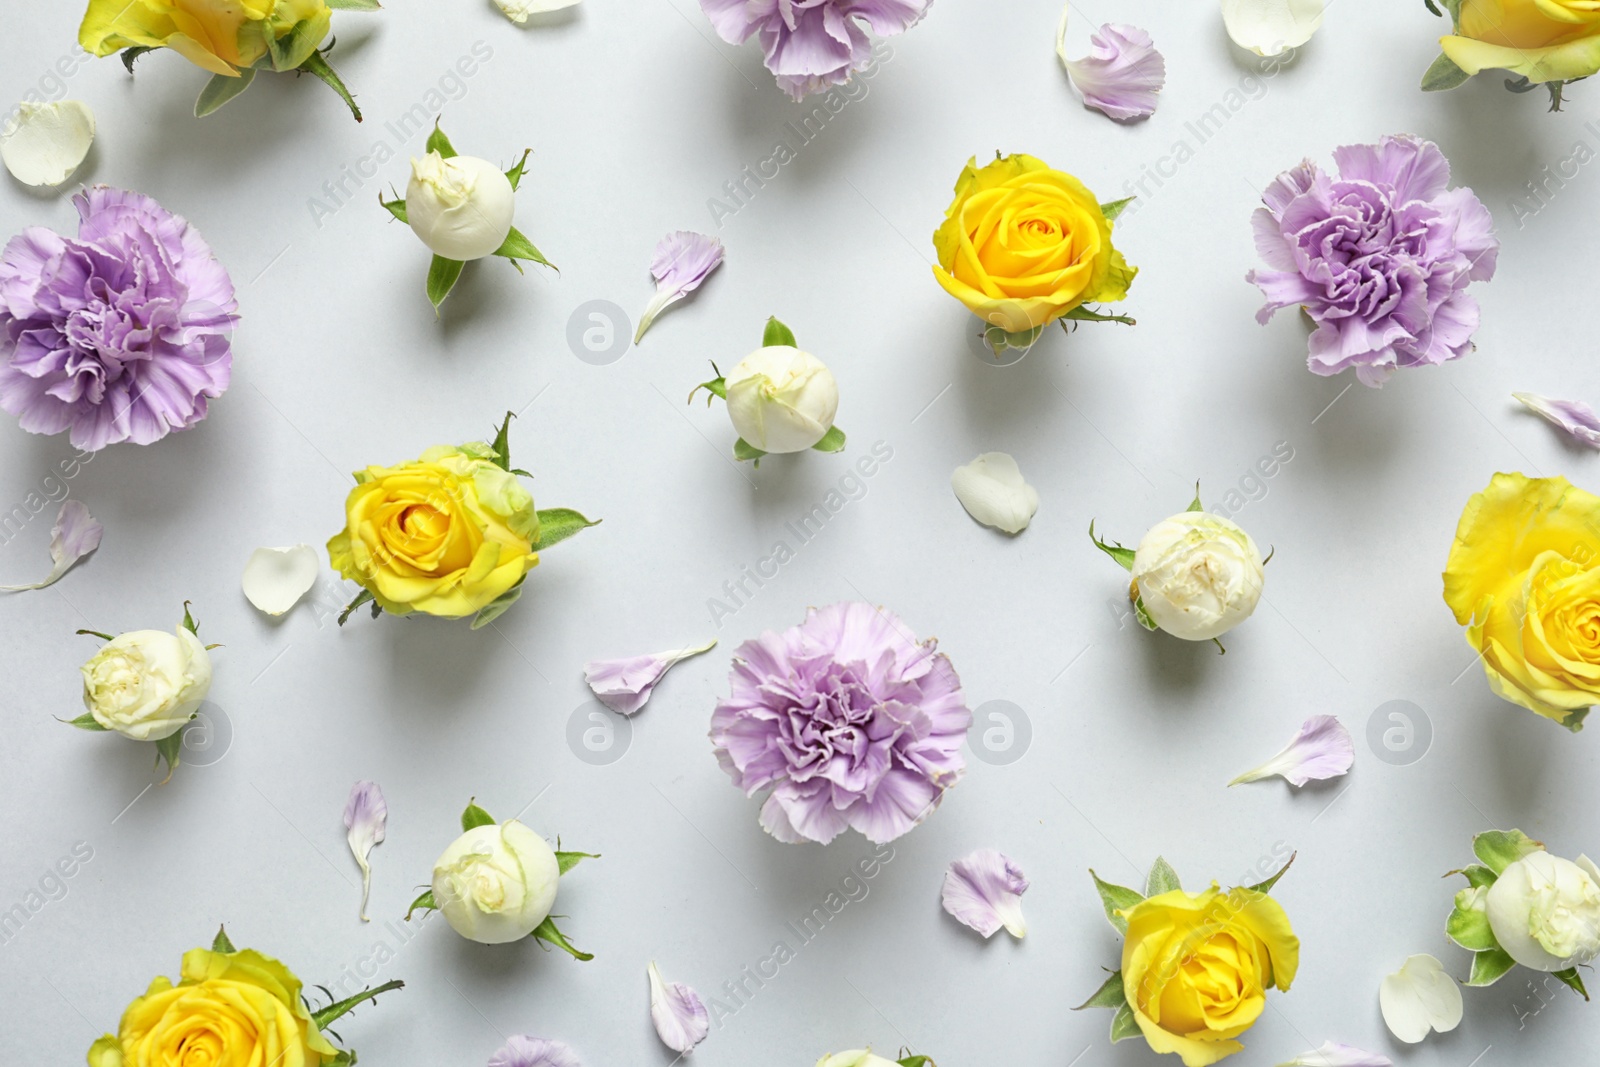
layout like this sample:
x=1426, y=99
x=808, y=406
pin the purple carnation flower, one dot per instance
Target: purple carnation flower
x=847, y=721
x=812, y=45
x=121, y=334
x=1380, y=257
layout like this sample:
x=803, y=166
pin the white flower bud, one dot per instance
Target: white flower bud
x=461, y=208
x=1545, y=911
x=782, y=399
x=495, y=884
x=148, y=683
x=1198, y=575
x=855, y=1058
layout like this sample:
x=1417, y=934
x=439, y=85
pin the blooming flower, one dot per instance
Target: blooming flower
x=74, y=536
x=1321, y=750
x=1380, y=257
x=813, y=44
x=845, y=721
x=147, y=684
x=1545, y=911
x=119, y=334
x=366, y=819
x=625, y=685
x=680, y=1016
x=1418, y=999
x=984, y=890
x=1573, y=416
x=1122, y=73
x=682, y=261
x=496, y=883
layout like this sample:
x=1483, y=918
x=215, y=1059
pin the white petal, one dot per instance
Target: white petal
x=74, y=536
x=1418, y=998
x=519, y=10
x=44, y=143
x=1333, y=1054
x=993, y=492
x=1321, y=750
x=1271, y=27
x=366, y=820
x=681, y=1019
x=276, y=578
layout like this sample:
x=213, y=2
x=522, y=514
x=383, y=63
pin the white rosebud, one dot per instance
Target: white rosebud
x=147, y=684
x=1198, y=575
x=461, y=207
x=855, y=1058
x=495, y=884
x=782, y=399
x=1545, y=911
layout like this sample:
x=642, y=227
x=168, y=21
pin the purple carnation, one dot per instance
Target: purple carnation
x=1380, y=257
x=812, y=45
x=121, y=334
x=847, y=721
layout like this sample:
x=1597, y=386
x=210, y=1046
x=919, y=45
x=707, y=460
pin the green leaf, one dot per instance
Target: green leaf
x=438, y=142
x=1443, y=75
x=220, y=89
x=514, y=175
x=1116, y=551
x=743, y=450
x=1161, y=879
x=475, y=817
x=558, y=524
x=1469, y=926
x=97, y=633
x=546, y=931
x=422, y=903
x=1124, y=1025
x=1478, y=877
x=442, y=277
x=516, y=247
x=1196, y=505
x=343, y=1007
x=1489, y=967
x=188, y=620
x=1115, y=898
x=777, y=334
x=1115, y=208
x=502, y=443
x=1083, y=314
x=1266, y=886
x=169, y=748
x=396, y=207
x=86, y=721
x=363, y=597
x=832, y=441
x=318, y=67
x=354, y=5
x=220, y=943
x=1109, y=995
x=130, y=54
x=1571, y=979
x=1499, y=849
x=569, y=860
x=295, y=47
x=497, y=607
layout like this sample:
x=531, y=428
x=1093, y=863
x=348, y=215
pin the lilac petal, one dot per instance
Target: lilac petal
x=1333, y=1054
x=681, y=1019
x=1122, y=73
x=74, y=536
x=625, y=685
x=1573, y=416
x=984, y=890
x=366, y=816
x=682, y=261
x=524, y=1051
x=1321, y=750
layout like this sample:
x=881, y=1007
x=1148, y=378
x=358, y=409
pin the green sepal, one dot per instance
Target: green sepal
x=1469, y=927
x=1115, y=208
x=1452, y=7
x=516, y=247
x=354, y=5
x=442, y=277
x=1477, y=876
x=1161, y=879
x=97, y=633
x=1499, y=849
x=1443, y=74
x=558, y=524
x=547, y=931
x=345, y=1058
x=568, y=860
x=1109, y=995
x=221, y=89
x=514, y=175
x=498, y=606
x=188, y=620
x=743, y=450
x=363, y=597
x=999, y=339
x=832, y=441
x=717, y=387
x=318, y=67
x=1083, y=314
x=916, y=1061
x=1141, y=613
x=1490, y=966
x=128, y=55
x=502, y=443
x=1115, y=550
x=474, y=817
x=777, y=334
x=395, y=207
x=1571, y=979
x=1115, y=898
x=438, y=142
x=327, y=1015
x=1574, y=719
x=169, y=748
x=422, y=903
x=220, y=943
x=1124, y=1025
x=1266, y=886
x=86, y=721
x=293, y=48
x=1195, y=505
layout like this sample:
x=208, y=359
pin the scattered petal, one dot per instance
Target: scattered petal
x=74, y=536
x=525, y=1051
x=682, y=261
x=1321, y=750
x=276, y=578
x=1573, y=416
x=681, y=1019
x=1420, y=997
x=366, y=817
x=1333, y=1054
x=1271, y=27
x=984, y=890
x=44, y=144
x=625, y=685
x=993, y=492
x=1122, y=73
x=519, y=10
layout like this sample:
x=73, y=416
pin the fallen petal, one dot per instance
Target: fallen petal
x=625, y=685
x=1271, y=27
x=366, y=818
x=74, y=536
x=1321, y=750
x=525, y=1051
x=993, y=492
x=1122, y=73
x=1418, y=998
x=276, y=578
x=1573, y=416
x=683, y=260
x=682, y=1021
x=44, y=143
x=1333, y=1054
x=519, y=10
x=984, y=890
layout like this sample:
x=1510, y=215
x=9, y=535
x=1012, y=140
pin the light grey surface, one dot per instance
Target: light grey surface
x=637, y=116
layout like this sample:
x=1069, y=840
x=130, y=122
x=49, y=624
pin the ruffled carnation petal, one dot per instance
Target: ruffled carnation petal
x=1122, y=74
x=984, y=891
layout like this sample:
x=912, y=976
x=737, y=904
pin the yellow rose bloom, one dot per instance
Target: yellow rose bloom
x=230, y=1009
x=446, y=535
x=1542, y=40
x=1022, y=245
x=223, y=36
x=1196, y=968
x=1524, y=578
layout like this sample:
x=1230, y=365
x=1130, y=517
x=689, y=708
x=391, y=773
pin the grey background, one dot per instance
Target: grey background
x=638, y=116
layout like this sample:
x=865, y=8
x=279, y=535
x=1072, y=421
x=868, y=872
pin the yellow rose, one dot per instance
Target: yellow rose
x=1524, y=578
x=1543, y=40
x=230, y=1009
x=223, y=36
x=1196, y=968
x=446, y=535
x=1023, y=245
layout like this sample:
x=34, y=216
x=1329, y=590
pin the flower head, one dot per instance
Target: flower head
x=120, y=334
x=523, y=1051
x=1198, y=575
x=461, y=207
x=845, y=721
x=223, y=37
x=1380, y=257
x=496, y=883
x=812, y=45
x=1545, y=911
x=782, y=399
x=147, y=684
